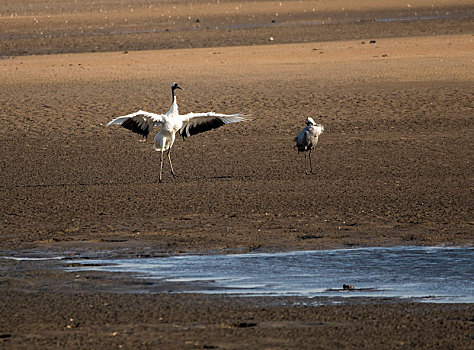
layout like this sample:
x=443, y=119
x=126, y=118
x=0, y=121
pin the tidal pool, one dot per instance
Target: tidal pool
x=433, y=274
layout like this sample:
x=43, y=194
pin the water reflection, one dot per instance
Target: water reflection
x=435, y=273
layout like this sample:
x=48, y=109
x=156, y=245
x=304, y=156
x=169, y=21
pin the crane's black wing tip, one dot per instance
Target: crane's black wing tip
x=139, y=124
x=194, y=128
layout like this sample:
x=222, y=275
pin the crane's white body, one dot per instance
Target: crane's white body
x=172, y=122
x=308, y=138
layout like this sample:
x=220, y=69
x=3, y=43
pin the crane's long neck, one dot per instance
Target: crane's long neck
x=174, y=104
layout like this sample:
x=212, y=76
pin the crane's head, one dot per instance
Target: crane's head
x=310, y=121
x=317, y=127
x=176, y=86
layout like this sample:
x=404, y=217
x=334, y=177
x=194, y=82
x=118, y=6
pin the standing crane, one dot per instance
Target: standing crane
x=172, y=122
x=307, y=139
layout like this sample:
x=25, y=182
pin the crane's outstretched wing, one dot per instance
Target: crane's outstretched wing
x=140, y=122
x=195, y=123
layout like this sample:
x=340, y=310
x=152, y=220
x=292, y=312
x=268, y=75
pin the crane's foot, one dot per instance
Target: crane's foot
x=174, y=175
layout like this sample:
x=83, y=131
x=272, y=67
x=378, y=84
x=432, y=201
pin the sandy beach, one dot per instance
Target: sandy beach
x=392, y=85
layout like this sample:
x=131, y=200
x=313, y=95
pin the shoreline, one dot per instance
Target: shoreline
x=95, y=271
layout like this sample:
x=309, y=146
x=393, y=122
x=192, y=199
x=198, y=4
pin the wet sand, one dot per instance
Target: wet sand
x=392, y=168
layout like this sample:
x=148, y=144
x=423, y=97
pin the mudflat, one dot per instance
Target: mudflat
x=392, y=85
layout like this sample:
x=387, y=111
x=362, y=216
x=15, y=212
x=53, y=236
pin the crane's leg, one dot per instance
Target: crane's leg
x=161, y=165
x=171, y=165
x=305, y=161
x=305, y=164
x=310, y=164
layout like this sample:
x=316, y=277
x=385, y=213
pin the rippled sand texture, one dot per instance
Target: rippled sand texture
x=392, y=167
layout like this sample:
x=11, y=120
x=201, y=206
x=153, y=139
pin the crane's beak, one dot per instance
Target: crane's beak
x=179, y=87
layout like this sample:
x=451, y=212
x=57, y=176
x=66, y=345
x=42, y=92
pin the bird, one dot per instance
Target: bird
x=172, y=122
x=307, y=139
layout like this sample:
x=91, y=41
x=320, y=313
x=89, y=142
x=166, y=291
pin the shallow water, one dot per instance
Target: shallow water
x=434, y=274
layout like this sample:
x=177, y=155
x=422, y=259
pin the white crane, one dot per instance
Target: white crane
x=142, y=123
x=307, y=139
